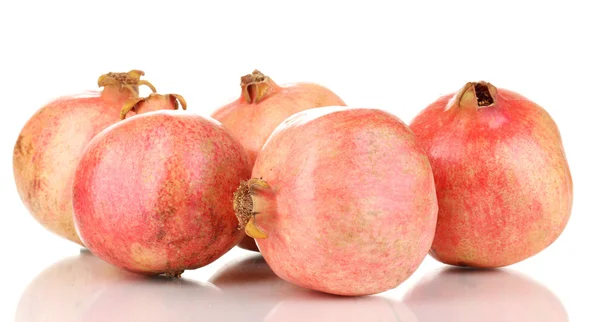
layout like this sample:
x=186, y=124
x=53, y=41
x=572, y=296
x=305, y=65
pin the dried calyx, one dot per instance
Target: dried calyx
x=257, y=86
x=135, y=103
x=484, y=97
x=476, y=94
x=174, y=274
x=128, y=81
x=243, y=205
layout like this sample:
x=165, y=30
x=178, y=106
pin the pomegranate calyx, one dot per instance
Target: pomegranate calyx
x=133, y=103
x=129, y=105
x=256, y=86
x=129, y=81
x=483, y=94
x=476, y=95
x=243, y=205
x=253, y=231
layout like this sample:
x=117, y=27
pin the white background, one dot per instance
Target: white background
x=397, y=57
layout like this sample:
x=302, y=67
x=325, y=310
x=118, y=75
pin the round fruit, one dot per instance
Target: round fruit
x=342, y=201
x=262, y=106
x=503, y=183
x=51, y=142
x=152, y=194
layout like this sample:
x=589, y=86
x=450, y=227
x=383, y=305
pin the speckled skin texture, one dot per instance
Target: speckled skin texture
x=252, y=123
x=49, y=147
x=503, y=183
x=352, y=206
x=153, y=194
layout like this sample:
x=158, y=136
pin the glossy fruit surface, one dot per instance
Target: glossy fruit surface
x=262, y=105
x=503, y=182
x=51, y=142
x=342, y=201
x=152, y=194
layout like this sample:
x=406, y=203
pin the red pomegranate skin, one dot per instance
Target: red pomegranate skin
x=503, y=184
x=351, y=207
x=262, y=105
x=253, y=117
x=152, y=194
x=51, y=142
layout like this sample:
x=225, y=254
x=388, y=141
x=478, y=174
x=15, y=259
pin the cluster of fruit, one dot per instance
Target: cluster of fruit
x=338, y=199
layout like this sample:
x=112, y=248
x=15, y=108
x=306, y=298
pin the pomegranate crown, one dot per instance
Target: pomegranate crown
x=130, y=80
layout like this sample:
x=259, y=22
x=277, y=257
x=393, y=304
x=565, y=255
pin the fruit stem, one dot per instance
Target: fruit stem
x=476, y=95
x=129, y=81
x=174, y=274
x=244, y=206
x=257, y=86
x=144, y=104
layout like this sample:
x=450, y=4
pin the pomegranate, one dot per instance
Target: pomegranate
x=503, y=184
x=153, y=102
x=262, y=106
x=454, y=294
x=342, y=201
x=51, y=142
x=152, y=194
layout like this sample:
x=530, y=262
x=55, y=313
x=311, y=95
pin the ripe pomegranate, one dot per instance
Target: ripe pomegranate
x=342, y=201
x=152, y=194
x=262, y=106
x=503, y=184
x=454, y=295
x=153, y=102
x=51, y=142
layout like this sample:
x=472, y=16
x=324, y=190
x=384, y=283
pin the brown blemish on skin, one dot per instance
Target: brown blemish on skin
x=37, y=183
x=19, y=145
x=161, y=234
x=141, y=255
x=218, y=230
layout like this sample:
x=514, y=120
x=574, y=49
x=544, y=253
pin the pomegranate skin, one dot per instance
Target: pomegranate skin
x=503, y=183
x=350, y=207
x=152, y=194
x=51, y=142
x=262, y=105
x=253, y=117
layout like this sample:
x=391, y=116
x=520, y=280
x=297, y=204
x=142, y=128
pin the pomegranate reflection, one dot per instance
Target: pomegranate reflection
x=260, y=295
x=502, y=295
x=86, y=289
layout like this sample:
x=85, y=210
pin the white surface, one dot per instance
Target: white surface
x=373, y=54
